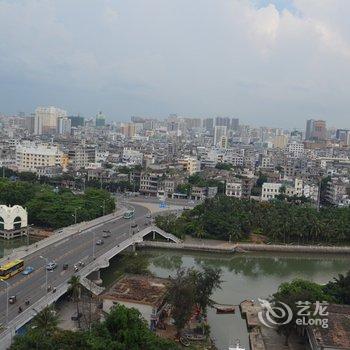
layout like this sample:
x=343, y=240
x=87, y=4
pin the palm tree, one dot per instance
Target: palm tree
x=75, y=289
x=46, y=321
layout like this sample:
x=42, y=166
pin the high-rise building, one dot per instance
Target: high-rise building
x=46, y=120
x=343, y=135
x=234, y=123
x=128, y=129
x=64, y=126
x=316, y=130
x=280, y=141
x=100, y=120
x=219, y=131
x=222, y=121
x=76, y=120
x=29, y=123
x=192, y=123
x=208, y=124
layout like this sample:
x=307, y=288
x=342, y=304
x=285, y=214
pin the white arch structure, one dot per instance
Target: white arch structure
x=13, y=221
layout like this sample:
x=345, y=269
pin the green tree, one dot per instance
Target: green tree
x=75, y=289
x=206, y=281
x=339, y=288
x=181, y=296
x=293, y=292
x=224, y=166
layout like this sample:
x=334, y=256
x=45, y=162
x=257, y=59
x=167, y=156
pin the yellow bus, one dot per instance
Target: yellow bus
x=11, y=268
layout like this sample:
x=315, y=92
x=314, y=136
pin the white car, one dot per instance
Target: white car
x=51, y=266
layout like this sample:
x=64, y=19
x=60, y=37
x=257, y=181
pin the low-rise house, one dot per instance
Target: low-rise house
x=146, y=294
x=298, y=188
x=234, y=188
x=49, y=171
x=336, y=336
x=200, y=193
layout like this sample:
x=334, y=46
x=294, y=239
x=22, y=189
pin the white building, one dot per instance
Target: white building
x=31, y=156
x=270, y=190
x=297, y=188
x=132, y=157
x=234, y=188
x=46, y=120
x=64, y=126
x=13, y=221
x=295, y=149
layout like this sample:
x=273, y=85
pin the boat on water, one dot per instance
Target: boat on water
x=237, y=346
x=221, y=309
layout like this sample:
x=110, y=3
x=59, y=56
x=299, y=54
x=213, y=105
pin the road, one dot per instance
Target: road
x=77, y=247
x=155, y=200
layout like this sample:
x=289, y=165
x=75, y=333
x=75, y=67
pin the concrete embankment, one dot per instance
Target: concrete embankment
x=225, y=247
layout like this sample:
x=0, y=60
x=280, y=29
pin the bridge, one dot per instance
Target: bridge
x=69, y=248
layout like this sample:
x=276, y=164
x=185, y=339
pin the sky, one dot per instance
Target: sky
x=267, y=62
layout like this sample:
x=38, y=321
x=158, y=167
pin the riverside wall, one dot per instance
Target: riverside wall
x=245, y=247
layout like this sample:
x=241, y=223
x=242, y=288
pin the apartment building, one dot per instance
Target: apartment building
x=190, y=164
x=149, y=183
x=132, y=157
x=234, y=188
x=296, y=188
x=200, y=193
x=46, y=120
x=338, y=191
x=81, y=156
x=32, y=156
x=270, y=190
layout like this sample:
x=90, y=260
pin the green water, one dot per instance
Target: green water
x=248, y=276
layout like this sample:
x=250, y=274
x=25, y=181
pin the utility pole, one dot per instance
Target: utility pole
x=103, y=208
x=46, y=261
x=93, y=245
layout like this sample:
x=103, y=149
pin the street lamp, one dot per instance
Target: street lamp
x=93, y=245
x=28, y=227
x=75, y=215
x=7, y=299
x=103, y=207
x=47, y=261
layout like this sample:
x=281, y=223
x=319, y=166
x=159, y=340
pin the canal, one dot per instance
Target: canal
x=245, y=276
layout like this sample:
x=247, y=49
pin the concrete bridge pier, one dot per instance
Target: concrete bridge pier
x=95, y=277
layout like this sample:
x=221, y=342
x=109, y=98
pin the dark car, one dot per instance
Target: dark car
x=12, y=299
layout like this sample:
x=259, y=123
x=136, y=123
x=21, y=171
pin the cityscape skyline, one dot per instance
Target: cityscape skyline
x=289, y=62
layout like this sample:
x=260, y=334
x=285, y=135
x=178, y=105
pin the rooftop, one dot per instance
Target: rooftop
x=138, y=289
x=337, y=335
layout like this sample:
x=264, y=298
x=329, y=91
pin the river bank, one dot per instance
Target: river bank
x=216, y=246
x=245, y=276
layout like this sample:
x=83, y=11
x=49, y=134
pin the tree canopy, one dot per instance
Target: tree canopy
x=226, y=217
x=123, y=329
x=52, y=208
